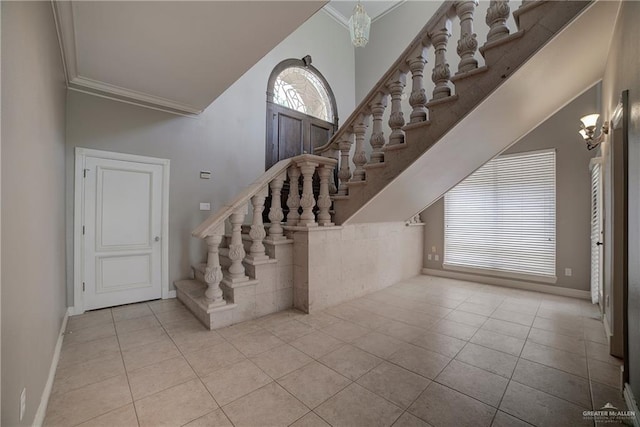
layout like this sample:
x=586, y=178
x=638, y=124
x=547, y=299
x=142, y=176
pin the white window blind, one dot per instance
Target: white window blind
x=503, y=217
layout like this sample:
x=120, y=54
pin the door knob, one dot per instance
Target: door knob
x=157, y=239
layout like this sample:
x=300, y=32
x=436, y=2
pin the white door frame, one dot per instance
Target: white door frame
x=78, y=214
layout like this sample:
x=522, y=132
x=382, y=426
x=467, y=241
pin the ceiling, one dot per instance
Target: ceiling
x=343, y=9
x=175, y=56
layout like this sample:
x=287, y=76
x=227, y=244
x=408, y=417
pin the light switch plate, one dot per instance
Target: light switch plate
x=205, y=206
x=437, y=257
x=429, y=257
x=568, y=272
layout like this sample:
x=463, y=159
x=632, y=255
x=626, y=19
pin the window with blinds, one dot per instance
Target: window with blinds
x=503, y=217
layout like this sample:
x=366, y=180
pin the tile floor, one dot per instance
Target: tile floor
x=427, y=351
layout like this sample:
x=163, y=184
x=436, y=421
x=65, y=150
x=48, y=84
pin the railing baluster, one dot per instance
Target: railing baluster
x=236, y=248
x=418, y=98
x=213, y=271
x=396, y=119
x=377, y=135
x=293, y=201
x=441, y=73
x=308, y=201
x=360, y=157
x=497, y=15
x=324, y=200
x=345, y=172
x=275, y=212
x=468, y=43
x=257, y=233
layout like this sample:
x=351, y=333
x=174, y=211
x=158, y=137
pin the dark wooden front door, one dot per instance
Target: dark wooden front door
x=291, y=133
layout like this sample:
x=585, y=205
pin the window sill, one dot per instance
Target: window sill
x=499, y=273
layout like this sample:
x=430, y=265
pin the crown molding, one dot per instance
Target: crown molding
x=337, y=16
x=123, y=94
x=63, y=14
x=342, y=20
x=389, y=10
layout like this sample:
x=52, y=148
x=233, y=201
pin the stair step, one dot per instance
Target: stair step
x=371, y=166
x=191, y=294
x=395, y=147
x=524, y=11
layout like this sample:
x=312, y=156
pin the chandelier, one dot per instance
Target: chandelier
x=359, y=25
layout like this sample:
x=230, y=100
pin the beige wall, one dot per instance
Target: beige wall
x=228, y=139
x=623, y=72
x=33, y=257
x=572, y=193
x=331, y=266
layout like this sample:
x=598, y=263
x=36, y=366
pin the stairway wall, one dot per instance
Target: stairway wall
x=228, y=138
x=336, y=264
x=573, y=192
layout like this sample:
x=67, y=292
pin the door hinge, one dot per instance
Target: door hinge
x=84, y=173
x=83, y=230
x=82, y=286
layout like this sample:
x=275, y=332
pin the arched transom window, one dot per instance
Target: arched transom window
x=301, y=90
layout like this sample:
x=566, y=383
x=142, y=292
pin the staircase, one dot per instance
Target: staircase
x=450, y=133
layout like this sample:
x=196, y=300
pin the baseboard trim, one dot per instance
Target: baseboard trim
x=508, y=283
x=72, y=311
x=607, y=328
x=631, y=404
x=46, y=393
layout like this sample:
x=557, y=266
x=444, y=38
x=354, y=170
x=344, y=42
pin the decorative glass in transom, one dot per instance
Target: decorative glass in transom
x=301, y=90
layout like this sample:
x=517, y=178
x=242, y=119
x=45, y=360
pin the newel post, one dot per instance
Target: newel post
x=213, y=271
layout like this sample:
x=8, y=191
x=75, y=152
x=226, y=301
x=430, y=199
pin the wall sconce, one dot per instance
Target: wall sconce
x=588, y=130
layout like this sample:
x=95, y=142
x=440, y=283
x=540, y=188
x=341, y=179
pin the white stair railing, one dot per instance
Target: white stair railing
x=212, y=230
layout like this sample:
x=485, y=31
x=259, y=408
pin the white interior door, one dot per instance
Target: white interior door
x=596, y=233
x=122, y=230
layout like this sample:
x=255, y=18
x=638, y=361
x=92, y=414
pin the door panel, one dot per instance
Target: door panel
x=291, y=133
x=320, y=135
x=290, y=136
x=116, y=272
x=122, y=218
x=124, y=202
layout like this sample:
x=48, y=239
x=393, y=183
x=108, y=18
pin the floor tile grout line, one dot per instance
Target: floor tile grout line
x=515, y=367
x=135, y=410
x=427, y=328
x=197, y=376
